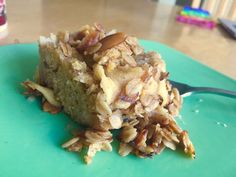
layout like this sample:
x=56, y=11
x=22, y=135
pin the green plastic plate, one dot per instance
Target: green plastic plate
x=30, y=139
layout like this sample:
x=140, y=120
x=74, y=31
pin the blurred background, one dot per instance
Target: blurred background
x=146, y=19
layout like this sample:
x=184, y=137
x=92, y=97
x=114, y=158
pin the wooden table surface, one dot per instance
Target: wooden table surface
x=146, y=19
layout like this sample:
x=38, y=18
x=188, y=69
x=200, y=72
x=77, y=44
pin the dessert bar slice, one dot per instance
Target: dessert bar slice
x=106, y=81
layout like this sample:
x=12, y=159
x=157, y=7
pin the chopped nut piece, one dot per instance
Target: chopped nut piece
x=111, y=41
x=48, y=107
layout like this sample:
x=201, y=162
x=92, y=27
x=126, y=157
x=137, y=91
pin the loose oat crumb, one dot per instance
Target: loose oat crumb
x=179, y=116
x=222, y=124
x=196, y=111
x=200, y=100
x=31, y=99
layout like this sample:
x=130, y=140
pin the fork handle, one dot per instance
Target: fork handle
x=218, y=91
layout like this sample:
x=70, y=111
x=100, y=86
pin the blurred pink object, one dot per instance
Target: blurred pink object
x=204, y=23
x=3, y=17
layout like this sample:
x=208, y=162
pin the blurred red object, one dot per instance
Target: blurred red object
x=3, y=17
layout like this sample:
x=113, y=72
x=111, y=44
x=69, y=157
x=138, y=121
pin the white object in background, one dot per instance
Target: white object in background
x=171, y=2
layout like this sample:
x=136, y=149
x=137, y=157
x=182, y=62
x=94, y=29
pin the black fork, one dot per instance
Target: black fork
x=186, y=90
